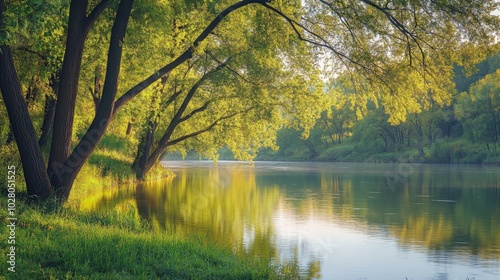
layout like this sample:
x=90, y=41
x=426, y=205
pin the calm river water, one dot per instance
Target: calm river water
x=334, y=220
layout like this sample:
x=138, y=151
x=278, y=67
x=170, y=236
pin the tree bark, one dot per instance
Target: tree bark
x=49, y=112
x=78, y=27
x=48, y=120
x=68, y=85
x=141, y=159
x=37, y=180
x=65, y=174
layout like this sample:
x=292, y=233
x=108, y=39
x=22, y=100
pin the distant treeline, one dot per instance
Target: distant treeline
x=465, y=131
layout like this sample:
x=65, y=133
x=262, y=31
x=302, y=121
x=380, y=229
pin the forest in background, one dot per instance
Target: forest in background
x=465, y=131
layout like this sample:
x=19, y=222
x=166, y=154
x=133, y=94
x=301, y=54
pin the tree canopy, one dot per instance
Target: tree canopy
x=209, y=74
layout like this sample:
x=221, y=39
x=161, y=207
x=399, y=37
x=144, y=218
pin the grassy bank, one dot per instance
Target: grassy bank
x=455, y=152
x=64, y=243
x=61, y=243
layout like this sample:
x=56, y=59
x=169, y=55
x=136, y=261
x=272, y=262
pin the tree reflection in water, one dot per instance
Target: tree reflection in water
x=237, y=206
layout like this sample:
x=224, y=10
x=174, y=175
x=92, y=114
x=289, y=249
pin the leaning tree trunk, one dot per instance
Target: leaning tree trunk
x=68, y=85
x=140, y=165
x=37, y=180
x=79, y=25
x=65, y=174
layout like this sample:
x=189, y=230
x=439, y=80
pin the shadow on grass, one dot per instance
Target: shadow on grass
x=111, y=166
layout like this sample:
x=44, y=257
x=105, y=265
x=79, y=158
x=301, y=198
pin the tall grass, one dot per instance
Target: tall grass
x=63, y=243
x=54, y=242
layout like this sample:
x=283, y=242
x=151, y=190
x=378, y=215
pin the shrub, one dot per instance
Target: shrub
x=337, y=153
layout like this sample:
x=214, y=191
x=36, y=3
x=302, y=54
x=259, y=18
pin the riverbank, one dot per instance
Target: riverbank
x=61, y=243
x=54, y=242
x=452, y=152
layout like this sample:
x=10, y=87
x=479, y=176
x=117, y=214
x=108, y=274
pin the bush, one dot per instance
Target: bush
x=441, y=153
x=337, y=153
x=460, y=152
x=474, y=158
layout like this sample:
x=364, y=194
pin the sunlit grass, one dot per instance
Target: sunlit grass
x=62, y=243
x=54, y=242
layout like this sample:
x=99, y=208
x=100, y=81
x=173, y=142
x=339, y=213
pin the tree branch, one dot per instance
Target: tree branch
x=96, y=12
x=187, y=54
x=230, y=69
x=40, y=55
x=195, y=111
x=208, y=128
x=323, y=43
x=177, y=117
x=400, y=26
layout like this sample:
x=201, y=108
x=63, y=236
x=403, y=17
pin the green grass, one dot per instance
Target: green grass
x=55, y=242
x=59, y=243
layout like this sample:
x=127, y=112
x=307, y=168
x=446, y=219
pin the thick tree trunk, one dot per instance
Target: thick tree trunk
x=64, y=174
x=68, y=85
x=140, y=165
x=78, y=27
x=37, y=180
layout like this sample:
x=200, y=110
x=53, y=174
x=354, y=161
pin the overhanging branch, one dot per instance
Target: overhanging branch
x=96, y=12
x=195, y=111
x=208, y=128
x=322, y=42
x=187, y=54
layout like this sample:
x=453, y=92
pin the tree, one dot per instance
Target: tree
x=63, y=166
x=401, y=49
x=231, y=94
x=479, y=110
x=22, y=127
x=464, y=78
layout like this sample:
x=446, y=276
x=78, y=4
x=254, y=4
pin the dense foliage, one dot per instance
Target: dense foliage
x=467, y=130
x=201, y=75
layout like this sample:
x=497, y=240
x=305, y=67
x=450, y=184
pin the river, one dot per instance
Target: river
x=333, y=220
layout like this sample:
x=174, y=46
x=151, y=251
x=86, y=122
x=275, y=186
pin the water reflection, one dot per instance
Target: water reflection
x=334, y=220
